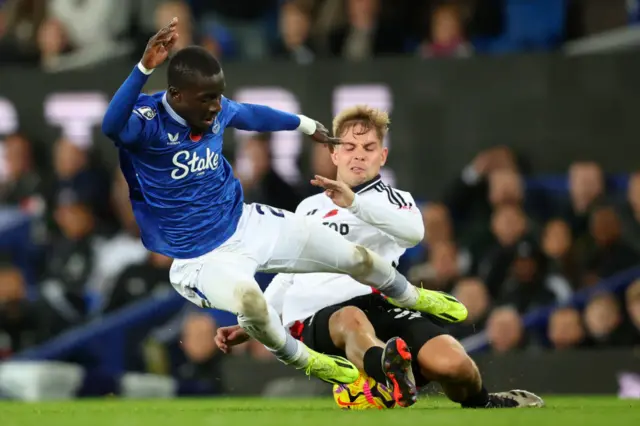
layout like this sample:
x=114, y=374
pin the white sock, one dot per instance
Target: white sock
x=390, y=282
x=275, y=338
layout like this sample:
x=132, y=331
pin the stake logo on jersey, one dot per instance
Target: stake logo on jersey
x=190, y=162
x=308, y=293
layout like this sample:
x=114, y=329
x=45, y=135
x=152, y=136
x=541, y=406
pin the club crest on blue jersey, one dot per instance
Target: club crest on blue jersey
x=146, y=112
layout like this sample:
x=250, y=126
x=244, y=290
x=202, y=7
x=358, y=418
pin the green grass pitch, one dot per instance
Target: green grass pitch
x=564, y=411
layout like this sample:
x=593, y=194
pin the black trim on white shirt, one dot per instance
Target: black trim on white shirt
x=365, y=186
x=394, y=196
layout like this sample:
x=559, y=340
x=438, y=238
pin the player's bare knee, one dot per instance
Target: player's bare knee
x=443, y=358
x=349, y=319
x=362, y=264
x=251, y=303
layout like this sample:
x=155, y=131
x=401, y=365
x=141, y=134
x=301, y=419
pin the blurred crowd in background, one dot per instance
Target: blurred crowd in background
x=63, y=34
x=502, y=248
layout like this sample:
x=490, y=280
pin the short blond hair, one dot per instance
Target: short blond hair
x=364, y=116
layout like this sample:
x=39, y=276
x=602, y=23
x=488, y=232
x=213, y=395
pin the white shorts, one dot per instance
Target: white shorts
x=267, y=240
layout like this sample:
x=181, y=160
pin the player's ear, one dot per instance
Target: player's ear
x=333, y=150
x=383, y=156
x=174, y=93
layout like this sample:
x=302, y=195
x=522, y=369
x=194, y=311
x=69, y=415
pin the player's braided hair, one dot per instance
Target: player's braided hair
x=189, y=63
x=360, y=119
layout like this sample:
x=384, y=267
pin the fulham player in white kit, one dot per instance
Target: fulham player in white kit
x=334, y=314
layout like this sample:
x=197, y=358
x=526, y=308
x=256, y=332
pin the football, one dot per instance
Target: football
x=363, y=394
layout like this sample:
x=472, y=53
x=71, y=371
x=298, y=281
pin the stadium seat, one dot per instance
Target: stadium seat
x=536, y=23
x=530, y=25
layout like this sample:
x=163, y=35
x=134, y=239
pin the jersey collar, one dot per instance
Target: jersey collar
x=366, y=185
x=171, y=111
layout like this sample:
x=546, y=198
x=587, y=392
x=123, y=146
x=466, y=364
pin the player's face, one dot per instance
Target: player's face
x=200, y=102
x=359, y=157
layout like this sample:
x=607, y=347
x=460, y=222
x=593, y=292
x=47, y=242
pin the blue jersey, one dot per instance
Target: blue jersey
x=184, y=194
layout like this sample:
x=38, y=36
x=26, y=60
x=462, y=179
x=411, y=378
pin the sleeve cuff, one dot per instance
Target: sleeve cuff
x=144, y=70
x=355, y=205
x=307, y=125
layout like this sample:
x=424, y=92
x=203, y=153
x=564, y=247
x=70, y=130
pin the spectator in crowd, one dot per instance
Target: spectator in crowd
x=19, y=23
x=474, y=295
x=295, y=26
x=23, y=187
x=365, y=35
x=528, y=284
x=630, y=213
x=467, y=197
x=73, y=168
x=447, y=37
x=605, y=322
x=260, y=182
x=557, y=245
x=441, y=271
x=437, y=224
x=509, y=226
x=203, y=364
x=586, y=190
x=17, y=317
x=632, y=301
x=566, y=330
x=71, y=261
x=82, y=33
x=189, y=33
x=321, y=164
x=607, y=252
x=505, y=331
x=140, y=281
x=116, y=252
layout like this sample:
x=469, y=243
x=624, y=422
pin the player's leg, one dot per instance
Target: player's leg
x=439, y=357
x=308, y=246
x=345, y=329
x=444, y=360
x=224, y=280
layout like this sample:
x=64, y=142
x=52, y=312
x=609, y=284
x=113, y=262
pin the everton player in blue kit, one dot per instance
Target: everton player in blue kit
x=189, y=206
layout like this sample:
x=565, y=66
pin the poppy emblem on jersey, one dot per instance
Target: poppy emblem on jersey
x=331, y=213
x=195, y=138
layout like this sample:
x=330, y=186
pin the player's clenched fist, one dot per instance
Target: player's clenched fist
x=230, y=336
x=339, y=192
x=160, y=45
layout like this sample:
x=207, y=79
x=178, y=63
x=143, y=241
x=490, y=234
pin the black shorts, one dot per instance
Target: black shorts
x=389, y=321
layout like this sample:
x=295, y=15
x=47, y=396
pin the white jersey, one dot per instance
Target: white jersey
x=382, y=219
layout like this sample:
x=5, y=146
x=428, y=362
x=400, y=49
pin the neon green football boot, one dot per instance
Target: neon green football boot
x=438, y=304
x=330, y=368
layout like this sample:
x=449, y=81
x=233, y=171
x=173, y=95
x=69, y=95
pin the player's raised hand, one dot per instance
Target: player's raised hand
x=226, y=337
x=322, y=135
x=339, y=192
x=160, y=45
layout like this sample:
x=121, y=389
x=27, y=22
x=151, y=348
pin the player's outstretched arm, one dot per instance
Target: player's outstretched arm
x=119, y=122
x=261, y=118
x=396, y=216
